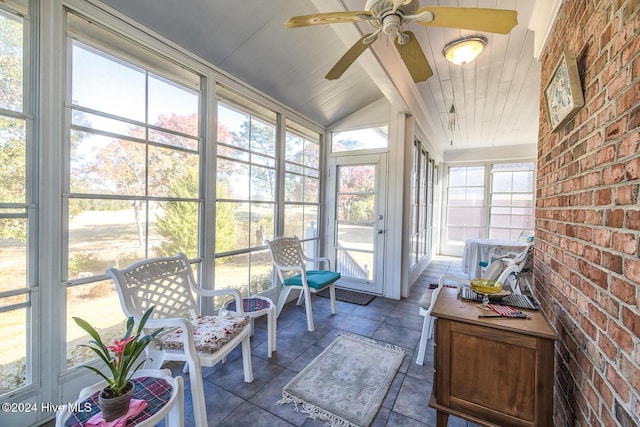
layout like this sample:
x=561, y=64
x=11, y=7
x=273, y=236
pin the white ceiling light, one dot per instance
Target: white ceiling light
x=464, y=50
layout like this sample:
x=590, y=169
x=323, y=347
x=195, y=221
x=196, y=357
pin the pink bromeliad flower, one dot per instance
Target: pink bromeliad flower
x=119, y=345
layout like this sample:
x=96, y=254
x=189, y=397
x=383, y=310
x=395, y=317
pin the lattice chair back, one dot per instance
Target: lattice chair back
x=286, y=254
x=165, y=283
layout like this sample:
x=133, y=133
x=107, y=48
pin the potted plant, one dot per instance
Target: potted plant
x=119, y=358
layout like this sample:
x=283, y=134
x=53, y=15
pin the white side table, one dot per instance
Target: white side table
x=166, y=391
x=256, y=306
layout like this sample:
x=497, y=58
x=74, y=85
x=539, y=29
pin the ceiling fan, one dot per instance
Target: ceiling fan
x=389, y=17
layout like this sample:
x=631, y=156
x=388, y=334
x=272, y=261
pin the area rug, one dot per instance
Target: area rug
x=346, y=384
x=348, y=296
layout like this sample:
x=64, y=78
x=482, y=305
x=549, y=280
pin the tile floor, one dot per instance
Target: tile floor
x=231, y=402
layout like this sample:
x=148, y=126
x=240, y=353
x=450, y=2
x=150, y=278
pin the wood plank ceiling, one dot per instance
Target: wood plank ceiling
x=495, y=97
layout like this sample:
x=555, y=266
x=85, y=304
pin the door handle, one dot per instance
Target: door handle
x=380, y=231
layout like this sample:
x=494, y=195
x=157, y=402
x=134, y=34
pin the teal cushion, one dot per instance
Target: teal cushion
x=317, y=279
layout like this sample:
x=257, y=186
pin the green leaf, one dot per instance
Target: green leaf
x=145, y=316
x=97, y=371
x=130, y=323
x=92, y=332
x=106, y=358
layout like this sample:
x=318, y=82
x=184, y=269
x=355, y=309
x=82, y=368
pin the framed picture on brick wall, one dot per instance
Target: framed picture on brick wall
x=563, y=95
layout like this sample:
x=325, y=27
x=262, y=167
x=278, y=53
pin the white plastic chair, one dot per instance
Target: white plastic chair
x=520, y=265
x=526, y=236
x=290, y=263
x=168, y=285
x=495, y=271
x=512, y=258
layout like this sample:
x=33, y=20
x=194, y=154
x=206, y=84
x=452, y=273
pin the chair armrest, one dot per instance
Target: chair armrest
x=318, y=259
x=432, y=300
x=221, y=292
x=509, y=254
x=453, y=278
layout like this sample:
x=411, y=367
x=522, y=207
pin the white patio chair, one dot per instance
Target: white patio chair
x=168, y=284
x=495, y=271
x=520, y=266
x=290, y=263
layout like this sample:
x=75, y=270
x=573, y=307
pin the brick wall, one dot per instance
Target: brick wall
x=587, y=270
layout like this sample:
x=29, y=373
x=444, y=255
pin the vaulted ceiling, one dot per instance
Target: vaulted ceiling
x=496, y=97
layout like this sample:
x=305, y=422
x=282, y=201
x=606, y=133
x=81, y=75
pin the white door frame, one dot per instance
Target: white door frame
x=374, y=285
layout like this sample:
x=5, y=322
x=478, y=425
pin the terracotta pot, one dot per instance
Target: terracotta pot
x=115, y=407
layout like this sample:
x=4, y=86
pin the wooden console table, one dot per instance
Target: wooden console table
x=492, y=371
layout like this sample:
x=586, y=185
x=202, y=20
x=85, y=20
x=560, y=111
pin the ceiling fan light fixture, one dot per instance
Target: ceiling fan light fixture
x=464, y=50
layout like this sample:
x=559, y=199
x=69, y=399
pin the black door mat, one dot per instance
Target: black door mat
x=348, y=296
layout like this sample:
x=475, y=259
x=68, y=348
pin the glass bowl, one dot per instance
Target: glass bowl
x=486, y=287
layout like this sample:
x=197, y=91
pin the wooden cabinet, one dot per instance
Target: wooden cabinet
x=495, y=371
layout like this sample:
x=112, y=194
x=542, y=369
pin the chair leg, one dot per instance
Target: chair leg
x=282, y=299
x=424, y=337
x=271, y=328
x=300, y=297
x=197, y=394
x=307, y=303
x=332, y=294
x=246, y=360
x=431, y=323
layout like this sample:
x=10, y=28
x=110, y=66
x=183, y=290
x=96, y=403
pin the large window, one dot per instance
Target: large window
x=360, y=139
x=493, y=201
x=302, y=185
x=465, y=204
x=18, y=289
x=133, y=187
x=511, y=210
x=422, y=190
x=245, y=193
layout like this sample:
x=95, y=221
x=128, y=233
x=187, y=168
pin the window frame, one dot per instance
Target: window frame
x=421, y=204
x=284, y=124
x=118, y=48
x=245, y=105
x=450, y=246
x=514, y=231
x=27, y=209
x=310, y=243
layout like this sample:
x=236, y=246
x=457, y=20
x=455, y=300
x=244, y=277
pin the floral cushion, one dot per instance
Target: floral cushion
x=209, y=333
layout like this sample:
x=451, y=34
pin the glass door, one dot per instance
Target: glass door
x=358, y=211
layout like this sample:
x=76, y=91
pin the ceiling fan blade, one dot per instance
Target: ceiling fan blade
x=414, y=58
x=499, y=21
x=326, y=18
x=348, y=58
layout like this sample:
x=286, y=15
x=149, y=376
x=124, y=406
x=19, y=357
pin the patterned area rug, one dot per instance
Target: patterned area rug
x=346, y=384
